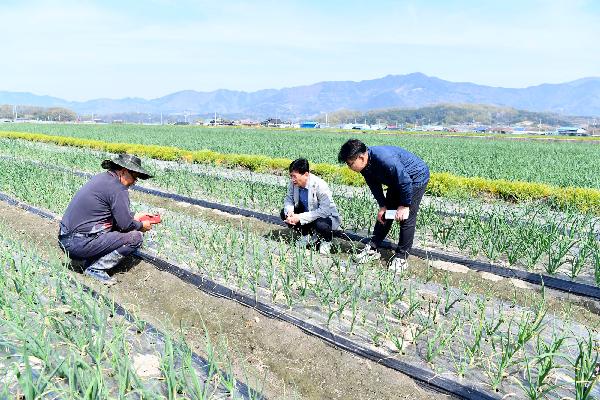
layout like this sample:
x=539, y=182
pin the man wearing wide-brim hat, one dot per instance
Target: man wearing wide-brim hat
x=98, y=226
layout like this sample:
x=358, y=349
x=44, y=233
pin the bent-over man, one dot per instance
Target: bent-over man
x=406, y=177
x=98, y=226
x=309, y=207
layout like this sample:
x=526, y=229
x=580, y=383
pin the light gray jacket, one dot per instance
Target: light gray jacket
x=320, y=202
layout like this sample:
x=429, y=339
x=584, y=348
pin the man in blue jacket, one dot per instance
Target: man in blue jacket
x=406, y=177
x=98, y=226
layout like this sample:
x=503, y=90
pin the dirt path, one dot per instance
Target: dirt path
x=289, y=363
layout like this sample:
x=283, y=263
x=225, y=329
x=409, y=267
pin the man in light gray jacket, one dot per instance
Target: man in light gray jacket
x=309, y=207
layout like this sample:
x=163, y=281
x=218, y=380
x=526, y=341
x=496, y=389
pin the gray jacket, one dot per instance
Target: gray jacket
x=320, y=202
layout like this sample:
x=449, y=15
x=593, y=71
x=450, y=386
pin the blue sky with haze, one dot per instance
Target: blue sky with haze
x=81, y=50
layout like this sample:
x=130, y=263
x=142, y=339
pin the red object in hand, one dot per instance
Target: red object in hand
x=153, y=219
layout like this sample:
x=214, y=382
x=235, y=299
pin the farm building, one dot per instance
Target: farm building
x=571, y=130
x=309, y=124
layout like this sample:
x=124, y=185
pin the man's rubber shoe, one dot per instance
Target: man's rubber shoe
x=100, y=275
x=325, y=248
x=366, y=255
x=398, y=264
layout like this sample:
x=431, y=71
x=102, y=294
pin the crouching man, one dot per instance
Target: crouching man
x=406, y=177
x=309, y=207
x=98, y=226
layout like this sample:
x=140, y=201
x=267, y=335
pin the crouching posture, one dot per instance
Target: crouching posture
x=98, y=226
x=309, y=207
x=406, y=177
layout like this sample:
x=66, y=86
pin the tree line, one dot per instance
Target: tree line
x=11, y=112
x=445, y=114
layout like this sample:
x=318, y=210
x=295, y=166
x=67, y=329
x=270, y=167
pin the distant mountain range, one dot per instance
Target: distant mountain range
x=580, y=97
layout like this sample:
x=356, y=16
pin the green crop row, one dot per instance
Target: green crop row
x=441, y=184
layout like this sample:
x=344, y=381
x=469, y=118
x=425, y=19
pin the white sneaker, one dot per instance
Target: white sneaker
x=325, y=248
x=367, y=254
x=398, y=264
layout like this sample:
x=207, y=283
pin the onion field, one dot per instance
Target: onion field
x=500, y=337
x=555, y=163
x=61, y=340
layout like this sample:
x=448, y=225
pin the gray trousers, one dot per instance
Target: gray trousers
x=91, y=248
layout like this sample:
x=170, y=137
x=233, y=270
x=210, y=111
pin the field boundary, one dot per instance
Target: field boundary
x=441, y=183
x=428, y=378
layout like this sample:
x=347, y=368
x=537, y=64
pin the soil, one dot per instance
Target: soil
x=285, y=362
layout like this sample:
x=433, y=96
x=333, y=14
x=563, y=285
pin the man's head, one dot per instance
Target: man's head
x=127, y=167
x=127, y=177
x=354, y=154
x=299, y=172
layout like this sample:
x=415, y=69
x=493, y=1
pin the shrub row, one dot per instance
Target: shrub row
x=441, y=184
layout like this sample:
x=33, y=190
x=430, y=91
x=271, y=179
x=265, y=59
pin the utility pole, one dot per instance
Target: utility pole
x=161, y=119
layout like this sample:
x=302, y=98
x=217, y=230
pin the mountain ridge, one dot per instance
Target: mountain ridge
x=579, y=97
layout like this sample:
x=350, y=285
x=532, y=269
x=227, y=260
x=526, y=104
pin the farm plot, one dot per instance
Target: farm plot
x=59, y=340
x=528, y=236
x=555, y=163
x=436, y=326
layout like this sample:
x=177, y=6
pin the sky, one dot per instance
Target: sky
x=81, y=50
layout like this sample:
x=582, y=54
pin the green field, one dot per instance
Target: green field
x=552, y=162
x=451, y=322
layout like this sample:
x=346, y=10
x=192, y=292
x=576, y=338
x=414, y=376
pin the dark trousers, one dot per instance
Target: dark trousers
x=407, y=227
x=90, y=248
x=320, y=226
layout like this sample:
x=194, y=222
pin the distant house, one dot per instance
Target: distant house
x=502, y=129
x=309, y=124
x=274, y=122
x=249, y=122
x=571, y=131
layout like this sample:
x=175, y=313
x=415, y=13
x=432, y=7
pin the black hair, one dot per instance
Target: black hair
x=299, y=165
x=350, y=150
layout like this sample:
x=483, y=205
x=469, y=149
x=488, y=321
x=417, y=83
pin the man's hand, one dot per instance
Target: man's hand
x=381, y=214
x=146, y=226
x=402, y=213
x=137, y=216
x=293, y=219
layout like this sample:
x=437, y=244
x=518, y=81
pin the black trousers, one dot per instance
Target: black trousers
x=320, y=226
x=407, y=227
